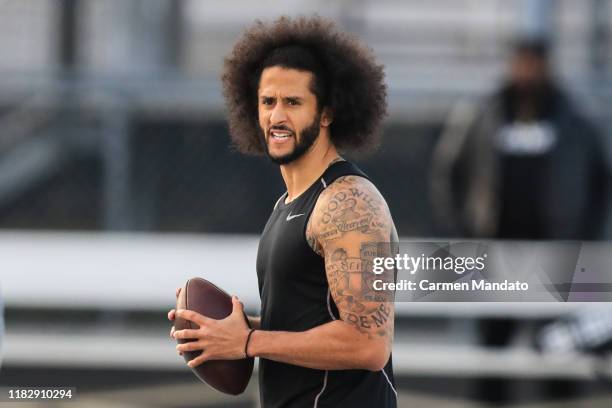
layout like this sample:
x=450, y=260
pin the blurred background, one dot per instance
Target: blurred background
x=117, y=183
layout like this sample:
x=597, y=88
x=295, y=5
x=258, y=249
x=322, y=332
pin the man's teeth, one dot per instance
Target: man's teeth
x=280, y=135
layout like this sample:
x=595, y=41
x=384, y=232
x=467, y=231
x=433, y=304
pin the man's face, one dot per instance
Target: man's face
x=288, y=114
x=528, y=70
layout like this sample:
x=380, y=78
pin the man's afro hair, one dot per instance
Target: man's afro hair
x=355, y=88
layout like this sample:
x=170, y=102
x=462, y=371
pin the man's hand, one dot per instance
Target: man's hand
x=218, y=339
x=172, y=315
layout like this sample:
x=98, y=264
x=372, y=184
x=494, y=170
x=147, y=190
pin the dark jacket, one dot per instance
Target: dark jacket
x=465, y=177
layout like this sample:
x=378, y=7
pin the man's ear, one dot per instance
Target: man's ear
x=327, y=117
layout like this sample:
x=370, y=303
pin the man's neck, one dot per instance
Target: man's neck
x=300, y=174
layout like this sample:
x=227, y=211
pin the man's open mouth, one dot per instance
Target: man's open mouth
x=280, y=134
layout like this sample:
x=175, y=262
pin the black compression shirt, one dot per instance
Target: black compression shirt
x=295, y=297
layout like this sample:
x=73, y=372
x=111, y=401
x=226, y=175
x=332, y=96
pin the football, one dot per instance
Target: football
x=201, y=296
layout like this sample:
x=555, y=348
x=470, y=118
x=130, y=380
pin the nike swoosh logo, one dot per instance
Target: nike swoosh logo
x=290, y=217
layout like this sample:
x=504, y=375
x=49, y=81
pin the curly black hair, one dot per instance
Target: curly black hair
x=347, y=79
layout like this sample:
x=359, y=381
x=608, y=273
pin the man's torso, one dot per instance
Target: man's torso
x=295, y=297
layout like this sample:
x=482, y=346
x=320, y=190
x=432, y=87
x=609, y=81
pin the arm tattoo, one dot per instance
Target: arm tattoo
x=350, y=226
x=351, y=283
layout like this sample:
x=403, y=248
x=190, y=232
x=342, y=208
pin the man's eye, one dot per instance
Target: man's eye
x=266, y=101
x=293, y=102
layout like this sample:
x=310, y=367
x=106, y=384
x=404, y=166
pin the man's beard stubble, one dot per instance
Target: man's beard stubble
x=307, y=138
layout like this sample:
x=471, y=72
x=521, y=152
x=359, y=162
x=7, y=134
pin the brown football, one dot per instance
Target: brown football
x=228, y=376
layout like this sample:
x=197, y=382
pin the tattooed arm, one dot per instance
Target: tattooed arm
x=347, y=227
x=350, y=226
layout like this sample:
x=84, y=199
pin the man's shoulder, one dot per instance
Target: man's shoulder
x=350, y=203
x=350, y=187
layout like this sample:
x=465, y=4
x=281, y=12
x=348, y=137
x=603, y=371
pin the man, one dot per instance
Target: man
x=298, y=91
x=526, y=164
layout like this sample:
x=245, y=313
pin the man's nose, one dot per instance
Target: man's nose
x=278, y=115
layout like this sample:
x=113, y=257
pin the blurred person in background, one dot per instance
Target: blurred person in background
x=526, y=164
